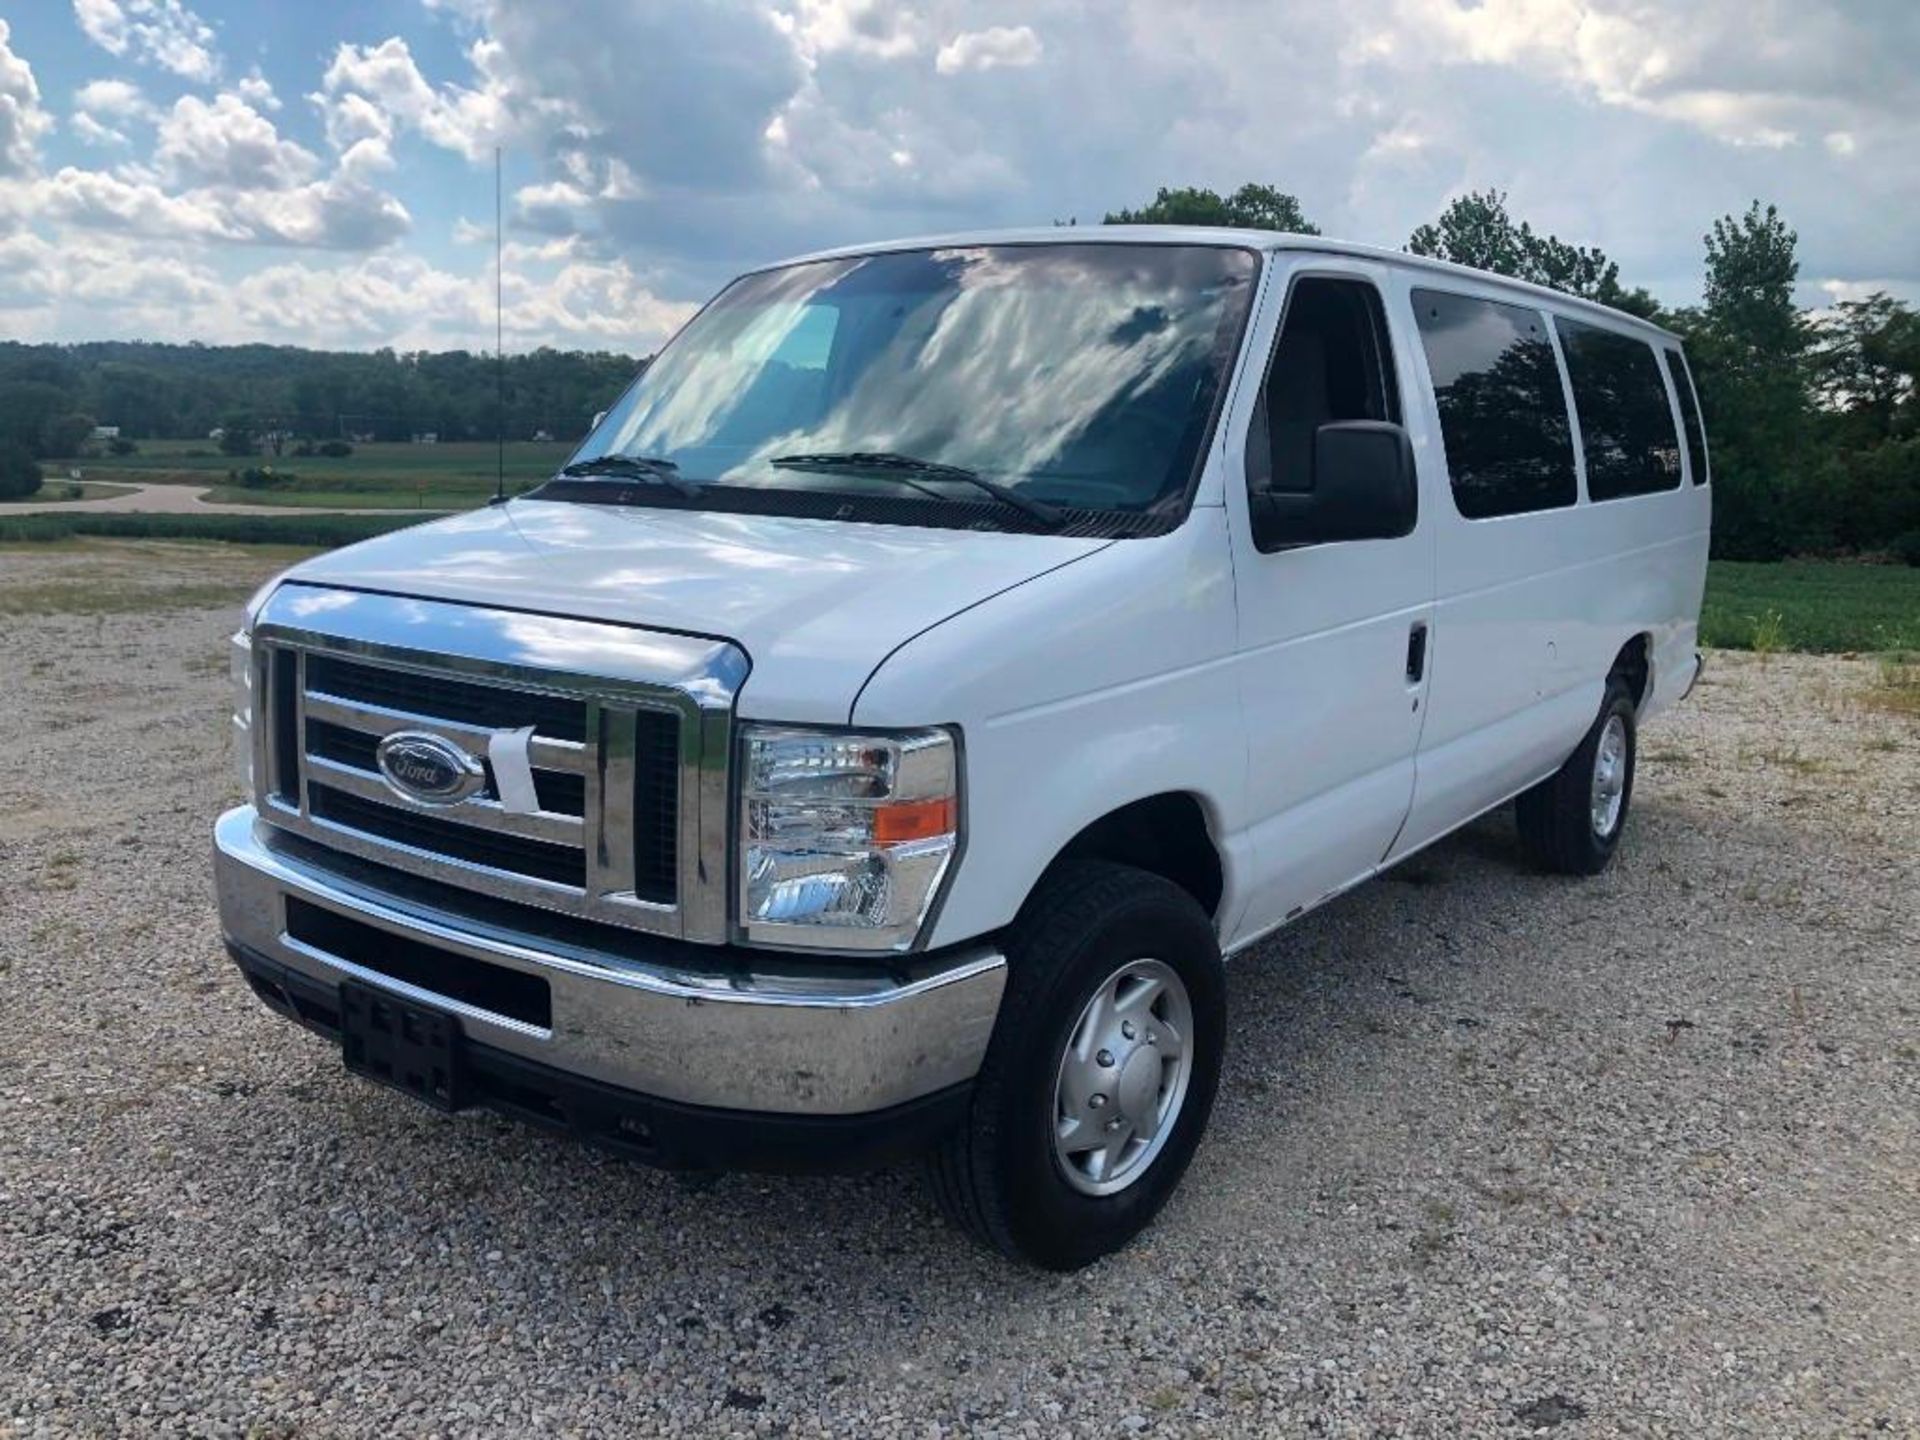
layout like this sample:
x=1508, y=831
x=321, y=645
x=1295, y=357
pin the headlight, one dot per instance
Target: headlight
x=844, y=839
x=240, y=673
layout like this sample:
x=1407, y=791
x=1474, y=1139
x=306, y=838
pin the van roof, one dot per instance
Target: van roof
x=1263, y=240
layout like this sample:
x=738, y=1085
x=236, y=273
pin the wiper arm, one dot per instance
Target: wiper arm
x=632, y=467
x=886, y=462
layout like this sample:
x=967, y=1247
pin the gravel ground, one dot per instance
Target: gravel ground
x=1495, y=1153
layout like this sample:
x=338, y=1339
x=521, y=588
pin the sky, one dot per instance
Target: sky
x=320, y=172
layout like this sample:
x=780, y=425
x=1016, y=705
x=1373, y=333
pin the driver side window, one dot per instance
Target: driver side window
x=1333, y=361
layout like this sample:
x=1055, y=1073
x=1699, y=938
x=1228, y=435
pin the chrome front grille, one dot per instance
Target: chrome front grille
x=627, y=759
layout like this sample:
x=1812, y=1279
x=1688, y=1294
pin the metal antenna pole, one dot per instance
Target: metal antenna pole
x=499, y=347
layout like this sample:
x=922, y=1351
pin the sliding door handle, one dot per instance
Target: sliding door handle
x=1417, y=652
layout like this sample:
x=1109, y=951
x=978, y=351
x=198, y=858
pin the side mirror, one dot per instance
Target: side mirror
x=594, y=425
x=1364, y=488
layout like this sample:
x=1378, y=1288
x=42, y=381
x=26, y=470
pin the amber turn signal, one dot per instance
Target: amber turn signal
x=915, y=820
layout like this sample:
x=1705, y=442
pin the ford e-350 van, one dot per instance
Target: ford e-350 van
x=942, y=657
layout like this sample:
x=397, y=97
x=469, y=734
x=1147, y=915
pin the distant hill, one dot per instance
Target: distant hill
x=159, y=391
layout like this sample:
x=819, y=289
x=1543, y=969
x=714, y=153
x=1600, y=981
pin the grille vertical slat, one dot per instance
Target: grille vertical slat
x=283, y=689
x=656, y=807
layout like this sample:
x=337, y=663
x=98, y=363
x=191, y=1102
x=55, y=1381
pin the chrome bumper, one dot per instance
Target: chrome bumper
x=680, y=1023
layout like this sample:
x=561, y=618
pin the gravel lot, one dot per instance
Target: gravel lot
x=1495, y=1153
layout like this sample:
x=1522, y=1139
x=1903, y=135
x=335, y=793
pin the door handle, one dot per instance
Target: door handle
x=1417, y=652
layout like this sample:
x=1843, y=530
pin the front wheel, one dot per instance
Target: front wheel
x=1570, y=823
x=1101, y=1072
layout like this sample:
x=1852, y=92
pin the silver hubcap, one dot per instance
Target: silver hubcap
x=1123, y=1078
x=1609, y=776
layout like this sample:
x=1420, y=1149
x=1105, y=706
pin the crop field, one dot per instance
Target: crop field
x=1821, y=606
x=374, y=476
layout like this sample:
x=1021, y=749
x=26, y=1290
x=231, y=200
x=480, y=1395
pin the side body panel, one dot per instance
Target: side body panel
x=1332, y=717
x=1530, y=611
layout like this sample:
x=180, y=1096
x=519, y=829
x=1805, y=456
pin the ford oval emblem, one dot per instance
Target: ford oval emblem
x=428, y=769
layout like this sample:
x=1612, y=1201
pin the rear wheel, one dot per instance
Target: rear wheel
x=1570, y=823
x=1101, y=1072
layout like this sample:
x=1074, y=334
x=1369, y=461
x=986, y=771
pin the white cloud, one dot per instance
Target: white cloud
x=1751, y=73
x=22, y=120
x=1000, y=45
x=553, y=206
x=156, y=32
x=228, y=143
x=94, y=199
x=406, y=302
x=119, y=98
x=92, y=132
x=383, y=78
x=103, y=108
x=877, y=28
x=351, y=118
x=257, y=90
x=343, y=211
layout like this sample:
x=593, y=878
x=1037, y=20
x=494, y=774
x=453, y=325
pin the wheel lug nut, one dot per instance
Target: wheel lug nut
x=1114, y=1124
x=1105, y=1057
x=1126, y=1028
x=1096, y=1102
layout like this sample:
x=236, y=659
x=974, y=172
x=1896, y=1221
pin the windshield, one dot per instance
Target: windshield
x=1080, y=376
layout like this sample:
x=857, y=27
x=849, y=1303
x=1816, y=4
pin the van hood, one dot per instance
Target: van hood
x=816, y=604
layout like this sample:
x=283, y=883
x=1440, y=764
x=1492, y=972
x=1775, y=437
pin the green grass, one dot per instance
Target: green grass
x=303, y=498
x=61, y=490
x=323, y=531
x=464, y=469
x=1813, y=605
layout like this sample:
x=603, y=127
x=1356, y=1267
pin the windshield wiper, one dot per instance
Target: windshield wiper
x=902, y=467
x=632, y=467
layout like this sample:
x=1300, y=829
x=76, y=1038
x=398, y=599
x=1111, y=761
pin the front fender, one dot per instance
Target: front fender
x=1097, y=684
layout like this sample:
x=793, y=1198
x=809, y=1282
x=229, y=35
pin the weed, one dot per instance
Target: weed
x=1896, y=687
x=1769, y=633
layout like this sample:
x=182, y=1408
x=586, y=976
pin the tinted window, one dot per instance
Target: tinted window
x=1503, y=414
x=1626, y=423
x=1690, y=413
x=1332, y=361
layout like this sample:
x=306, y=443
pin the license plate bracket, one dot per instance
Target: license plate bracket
x=415, y=1049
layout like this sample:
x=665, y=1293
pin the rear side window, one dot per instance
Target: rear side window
x=1626, y=424
x=1503, y=413
x=1689, y=413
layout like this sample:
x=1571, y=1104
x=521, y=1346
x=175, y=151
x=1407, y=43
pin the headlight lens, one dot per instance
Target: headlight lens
x=844, y=839
x=240, y=673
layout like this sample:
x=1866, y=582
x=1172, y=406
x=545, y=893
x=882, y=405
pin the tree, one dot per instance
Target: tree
x=236, y=436
x=25, y=408
x=66, y=435
x=1251, y=207
x=1866, y=361
x=1477, y=230
x=19, y=471
x=1748, y=345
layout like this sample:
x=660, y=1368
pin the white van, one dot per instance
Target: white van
x=939, y=660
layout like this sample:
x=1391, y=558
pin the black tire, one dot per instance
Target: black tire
x=1558, y=829
x=997, y=1177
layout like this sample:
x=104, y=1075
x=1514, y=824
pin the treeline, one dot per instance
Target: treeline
x=1812, y=418
x=156, y=391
